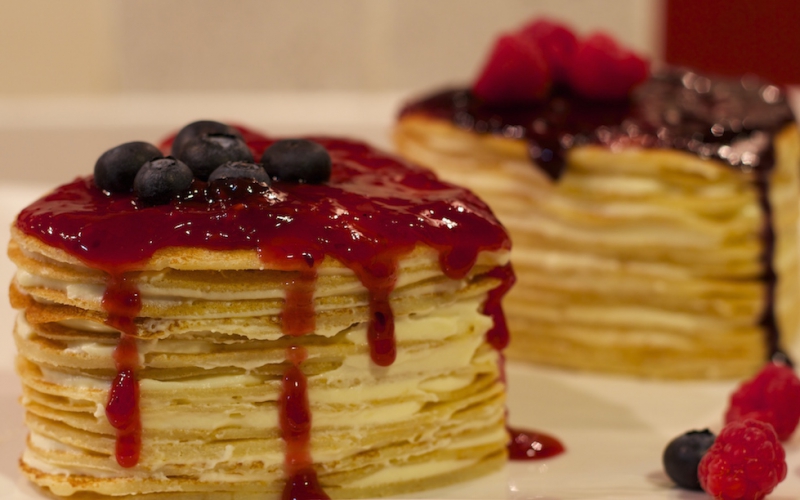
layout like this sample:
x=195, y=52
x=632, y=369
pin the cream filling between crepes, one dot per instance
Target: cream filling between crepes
x=433, y=350
x=93, y=292
x=395, y=472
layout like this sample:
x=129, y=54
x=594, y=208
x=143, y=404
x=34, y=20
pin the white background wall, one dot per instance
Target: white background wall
x=106, y=46
x=80, y=76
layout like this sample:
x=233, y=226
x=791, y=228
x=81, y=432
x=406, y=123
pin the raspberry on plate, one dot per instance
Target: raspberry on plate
x=515, y=72
x=772, y=396
x=745, y=462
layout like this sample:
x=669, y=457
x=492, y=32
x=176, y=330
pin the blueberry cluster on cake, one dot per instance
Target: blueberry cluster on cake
x=251, y=318
x=654, y=214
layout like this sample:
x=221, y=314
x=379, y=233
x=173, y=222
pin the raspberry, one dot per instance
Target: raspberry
x=516, y=71
x=745, y=462
x=557, y=42
x=601, y=69
x=772, y=396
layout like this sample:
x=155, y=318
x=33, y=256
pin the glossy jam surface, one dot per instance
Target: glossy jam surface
x=733, y=121
x=122, y=303
x=295, y=424
x=498, y=336
x=298, y=316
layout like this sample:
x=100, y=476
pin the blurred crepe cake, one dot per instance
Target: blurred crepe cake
x=654, y=217
x=200, y=326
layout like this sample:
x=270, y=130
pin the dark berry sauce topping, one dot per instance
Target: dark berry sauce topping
x=733, y=121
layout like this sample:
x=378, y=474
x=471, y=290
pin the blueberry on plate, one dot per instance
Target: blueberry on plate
x=160, y=180
x=297, y=160
x=240, y=170
x=197, y=129
x=117, y=167
x=682, y=457
x=205, y=153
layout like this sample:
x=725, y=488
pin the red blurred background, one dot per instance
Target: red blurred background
x=733, y=37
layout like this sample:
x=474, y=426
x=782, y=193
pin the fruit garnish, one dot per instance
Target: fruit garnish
x=115, y=170
x=214, y=159
x=297, y=160
x=240, y=170
x=197, y=129
x=745, y=462
x=523, y=66
x=772, y=396
x=682, y=457
x=515, y=72
x=160, y=180
x=206, y=152
x=602, y=69
x=556, y=42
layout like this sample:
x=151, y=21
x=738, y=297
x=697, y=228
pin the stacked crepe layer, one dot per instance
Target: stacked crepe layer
x=212, y=359
x=636, y=261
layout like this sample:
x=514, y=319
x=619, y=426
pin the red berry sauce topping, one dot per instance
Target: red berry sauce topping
x=295, y=424
x=122, y=302
x=373, y=210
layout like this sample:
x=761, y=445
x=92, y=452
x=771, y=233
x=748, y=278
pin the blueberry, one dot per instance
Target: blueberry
x=297, y=160
x=205, y=153
x=682, y=457
x=160, y=180
x=117, y=167
x=197, y=129
x=240, y=170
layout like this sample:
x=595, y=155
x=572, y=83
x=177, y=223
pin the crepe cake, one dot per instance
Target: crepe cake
x=655, y=234
x=244, y=341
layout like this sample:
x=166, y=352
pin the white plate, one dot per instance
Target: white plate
x=614, y=429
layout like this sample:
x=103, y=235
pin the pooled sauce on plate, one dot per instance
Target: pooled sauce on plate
x=532, y=445
x=733, y=121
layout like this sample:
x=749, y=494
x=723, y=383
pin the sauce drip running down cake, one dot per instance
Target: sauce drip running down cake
x=335, y=336
x=655, y=234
